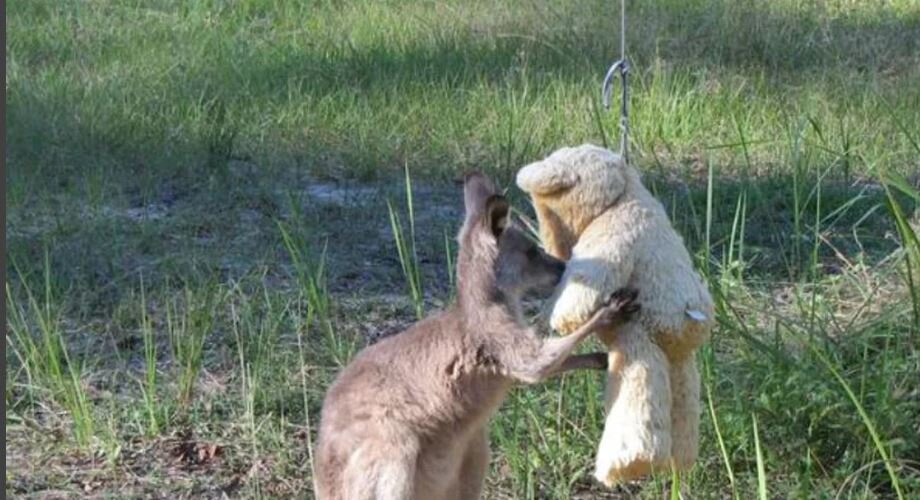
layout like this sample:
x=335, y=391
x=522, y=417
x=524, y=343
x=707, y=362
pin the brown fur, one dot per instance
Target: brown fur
x=407, y=418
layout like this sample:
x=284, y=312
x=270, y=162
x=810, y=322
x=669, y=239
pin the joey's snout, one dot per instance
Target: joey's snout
x=552, y=271
x=557, y=266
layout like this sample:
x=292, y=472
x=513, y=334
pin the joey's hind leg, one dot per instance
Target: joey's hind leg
x=382, y=469
x=474, y=468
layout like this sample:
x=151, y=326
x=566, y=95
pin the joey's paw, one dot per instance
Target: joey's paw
x=624, y=300
x=619, y=308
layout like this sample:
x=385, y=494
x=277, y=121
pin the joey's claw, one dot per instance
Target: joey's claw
x=619, y=309
x=623, y=296
x=631, y=308
x=627, y=313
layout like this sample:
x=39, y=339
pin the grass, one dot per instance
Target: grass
x=188, y=324
x=761, y=468
x=199, y=234
x=155, y=415
x=37, y=342
x=407, y=251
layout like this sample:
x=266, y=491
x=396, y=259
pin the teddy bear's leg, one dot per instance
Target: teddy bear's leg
x=637, y=432
x=685, y=412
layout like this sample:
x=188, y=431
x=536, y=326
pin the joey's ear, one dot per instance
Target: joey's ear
x=477, y=189
x=498, y=214
x=546, y=177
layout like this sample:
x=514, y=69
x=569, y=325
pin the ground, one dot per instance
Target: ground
x=204, y=201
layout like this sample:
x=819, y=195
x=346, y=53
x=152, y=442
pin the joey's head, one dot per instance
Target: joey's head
x=570, y=188
x=496, y=258
x=523, y=267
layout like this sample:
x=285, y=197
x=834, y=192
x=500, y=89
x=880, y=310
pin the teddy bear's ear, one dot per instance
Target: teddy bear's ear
x=546, y=177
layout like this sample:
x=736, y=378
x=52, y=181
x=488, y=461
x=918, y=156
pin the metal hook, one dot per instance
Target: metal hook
x=621, y=67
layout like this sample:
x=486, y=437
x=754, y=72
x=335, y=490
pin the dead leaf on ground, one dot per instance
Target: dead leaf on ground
x=194, y=453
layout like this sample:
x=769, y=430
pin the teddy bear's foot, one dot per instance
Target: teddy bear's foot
x=637, y=430
x=685, y=408
x=631, y=452
x=613, y=470
x=612, y=476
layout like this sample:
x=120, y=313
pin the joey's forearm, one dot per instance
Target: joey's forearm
x=586, y=329
x=590, y=361
x=550, y=356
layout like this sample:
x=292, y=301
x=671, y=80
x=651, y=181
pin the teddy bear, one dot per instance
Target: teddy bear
x=594, y=212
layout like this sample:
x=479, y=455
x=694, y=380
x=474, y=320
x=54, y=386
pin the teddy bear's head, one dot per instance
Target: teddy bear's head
x=570, y=188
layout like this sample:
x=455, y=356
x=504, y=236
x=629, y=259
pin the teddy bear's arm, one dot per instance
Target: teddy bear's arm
x=591, y=275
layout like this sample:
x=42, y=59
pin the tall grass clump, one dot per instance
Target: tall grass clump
x=252, y=349
x=155, y=413
x=309, y=272
x=877, y=440
x=908, y=235
x=35, y=335
x=189, y=320
x=256, y=321
x=406, y=250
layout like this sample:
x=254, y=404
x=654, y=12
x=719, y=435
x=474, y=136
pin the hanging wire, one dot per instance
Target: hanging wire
x=620, y=67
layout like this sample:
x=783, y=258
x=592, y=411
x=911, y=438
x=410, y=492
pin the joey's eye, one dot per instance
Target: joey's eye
x=533, y=253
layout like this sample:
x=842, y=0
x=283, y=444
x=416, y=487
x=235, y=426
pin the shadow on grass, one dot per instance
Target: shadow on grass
x=763, y=228
x=198, y=112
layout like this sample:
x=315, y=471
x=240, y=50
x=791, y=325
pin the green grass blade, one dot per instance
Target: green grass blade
x=722, y=448
x=761, y=469
x=910, y=243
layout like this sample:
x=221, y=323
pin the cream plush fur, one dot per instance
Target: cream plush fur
x=594, y=211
